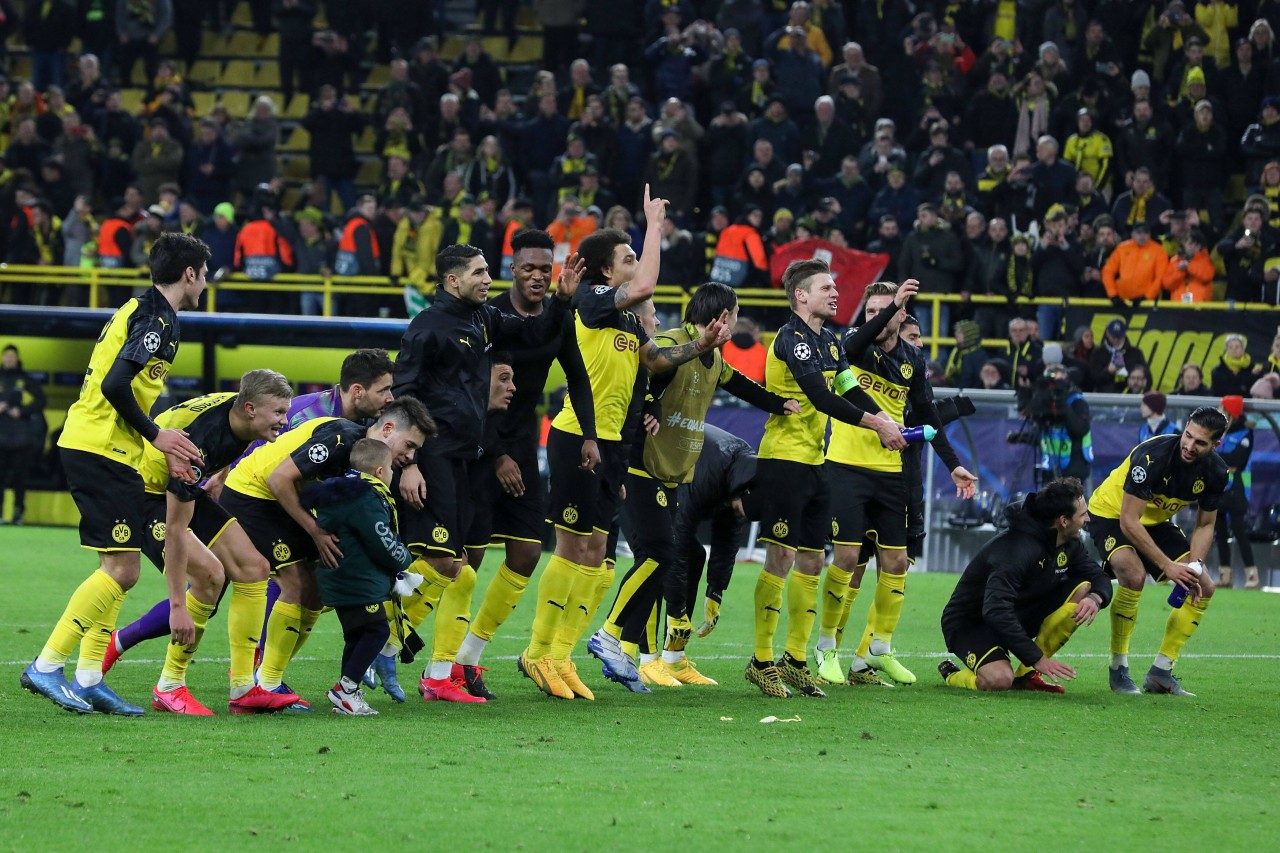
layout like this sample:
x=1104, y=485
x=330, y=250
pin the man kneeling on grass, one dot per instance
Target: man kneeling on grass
x=1034, y=578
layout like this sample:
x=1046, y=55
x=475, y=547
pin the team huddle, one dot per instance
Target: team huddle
x=380, y=498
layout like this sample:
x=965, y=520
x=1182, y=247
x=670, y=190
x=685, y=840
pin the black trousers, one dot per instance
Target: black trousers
x=15, y=463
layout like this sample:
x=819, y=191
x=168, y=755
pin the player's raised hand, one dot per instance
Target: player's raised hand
x=570, y=276
x=655, y=209
x=717, y=333
x=1054, y=671
x=175, y=442
x=413, y=489
x=791, y=407
x=906, y=290
x=966, y=483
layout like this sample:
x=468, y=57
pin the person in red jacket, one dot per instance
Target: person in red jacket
x=1189, y=274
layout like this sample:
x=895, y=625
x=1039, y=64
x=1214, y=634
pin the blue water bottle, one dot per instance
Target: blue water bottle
x=1179, y=593
x=917, y=434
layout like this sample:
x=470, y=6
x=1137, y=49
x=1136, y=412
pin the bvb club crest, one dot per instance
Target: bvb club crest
x=121, y=532
x=907, y=371
x=780, y=529
x=1062, y=559
x=440, y=535
x=1197, y=487
x=281, y=552
x=570, y=515
x=1109, y=544
x=662, y=498
x=157, y=531
x=970, y=660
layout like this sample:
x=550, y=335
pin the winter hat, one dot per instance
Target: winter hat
x=1051, y=354
x=1155, y=401
x=1233, y=405
x=1194, y=76
x=1140, y=80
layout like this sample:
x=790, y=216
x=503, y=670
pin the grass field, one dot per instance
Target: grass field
x=909, y=768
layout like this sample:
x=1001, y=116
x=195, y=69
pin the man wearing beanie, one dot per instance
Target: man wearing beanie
x=1154, y=422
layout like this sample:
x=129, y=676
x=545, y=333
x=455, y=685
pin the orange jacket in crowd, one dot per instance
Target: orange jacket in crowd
x=749, y=361
x=743, y=243
x=568, y=238
x=1196, y=279
x=1135, y=272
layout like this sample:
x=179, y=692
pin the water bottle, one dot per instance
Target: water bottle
x=1179, y=594
x=917, y=434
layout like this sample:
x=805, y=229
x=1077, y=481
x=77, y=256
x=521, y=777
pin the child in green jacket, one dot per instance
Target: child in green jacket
x=359, y=510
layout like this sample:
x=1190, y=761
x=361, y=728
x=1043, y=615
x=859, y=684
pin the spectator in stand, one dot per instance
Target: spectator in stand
x=727, y=149
x=1033, y=98
x=255, y=143
x=115, y=239
x=600, y=137
x=988, y=273
x=740, y=259
x=332, y=124
x=313, y=250
x=865, y=74
x=413, y=251
x=619, y=218
x=1260, y=144
x=1024, y=353
x=992, y=375
x=1146, y=142
x=489, y=172
x=542, y=139
x=1111, y=362
x=220, y=234
x=954, y=203
x=486, y=77
x=991, y=117
x=1089, y=151
x=673, y=58
x=778, y=130
x=1154, y=422
x=791, y=192
x=1233, y=516
x=896, y=199
x=828, y=139
x=1138, y=381
x=676, y=115
x=1236, y=372
x=964, y=368
x=1189, y=275
x=783, y=230
x=295, y=22
x=1053, y=179
x=744, y=352
x=572, y=98
x=1202, y=157
x=1174, y=27
x=141, y=25
x=1135, y=270
x=262, y=252
x=456, y=158
x=47, y=29
x=754, y=96
x=1140, y=204
x=1191, y=382
x=88, y=90
x=1244, y=252
x=931, y=254
x=1096, y=255
x=619, y=94
x=673, y=175
x=157, y=160
x=26, y=150
x=854, y=196
x=797, y=69
x=568, y=229
x=762, y=155
x=22, y=429
x=936, y=161
x=1057, y=267
x=358, y=251
x=635, y=145
x=1082, y=347
x=208, y=167
x=882, y=155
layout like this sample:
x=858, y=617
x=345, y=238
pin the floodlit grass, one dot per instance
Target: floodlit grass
x=691, y=768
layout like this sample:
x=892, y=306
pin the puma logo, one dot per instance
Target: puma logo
x=772, y=609
x=898, y=592
x=84, y=629
x=293, y=629
x=1122, y=616
x=555, y=604
x=838, y=598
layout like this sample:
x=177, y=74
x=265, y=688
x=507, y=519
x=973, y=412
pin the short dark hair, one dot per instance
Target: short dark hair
x=596, y=250
x=798, y=273
x=370, y=453
x=1057, y=499
x=910, y=320
x=500, y=357
x=531, y=238
x=407, y=412
x=364, y=367
x=708, y=302
x=1211, y=419
x=451, y=259
x=172, y=253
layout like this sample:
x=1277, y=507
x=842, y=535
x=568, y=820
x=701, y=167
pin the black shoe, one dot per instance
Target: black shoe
x=947, y=668
x=17, y=518
x=473, y=680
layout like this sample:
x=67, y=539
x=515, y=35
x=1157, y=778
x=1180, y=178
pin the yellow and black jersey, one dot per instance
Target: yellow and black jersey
x=320, y=448
x=144, y=332
x=609, y=341
x=1156, y=473
x=207, y=422
x=891, y=379
x=799, y=351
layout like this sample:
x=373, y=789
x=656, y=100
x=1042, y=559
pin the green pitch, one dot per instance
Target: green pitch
x=693, y=768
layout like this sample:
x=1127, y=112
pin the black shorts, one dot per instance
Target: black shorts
x=864, y=500
x=794, y=512
x=208, y=521
x=109, y=496
x=484, y=488
x=1108, y=538
x=583, y=502
x=523, y=518
x=276, y=536
x=355, y=618
x=977, y=643
x=440, y=526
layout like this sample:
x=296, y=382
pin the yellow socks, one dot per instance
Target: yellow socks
x=864, y=644
x=306, y=622
x=244, y=625
x=504, y=593
x=835, y=589
x=1124, y=615
x=768, y=609
x=89, y=605
x=963, y=677
x=427, y=595
x=1055, y=630
x=453, y=616
x=177, y=657
x=284, y=627
x=553, y=596
x=93, y=648
x=891, y=592
x=850, y=596
x=802, y=610
x=578, y=612
x=607, y=574
x=1181, y=625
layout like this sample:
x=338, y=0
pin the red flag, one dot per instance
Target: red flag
x=852, y=270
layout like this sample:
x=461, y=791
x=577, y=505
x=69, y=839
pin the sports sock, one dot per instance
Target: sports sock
x=284, y=627
x=272, y=596
x=607, y=575
x=849, y=598
x=647, y=657
x=1178, y=629
x=306, y=622
x=672, y=657
x=802, y=610
x=427, y=595
x=835, y=586
x=96, y=595
x=1054, y=632
x=453, y=616
x=471, y=649
x=631, y=650
x=151, y=625
x=578, y=612
x=963, y=677
x=768, y=610
x=891, y=592
x=500, y=599
x=864, y=644
x=553, y=596
x=1124, y=615
x=177, y=657
x=631, y=584
x=246, y=612
x=93, y=648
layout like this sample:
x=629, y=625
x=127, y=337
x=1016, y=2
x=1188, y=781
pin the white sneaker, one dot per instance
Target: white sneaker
x=351, y=704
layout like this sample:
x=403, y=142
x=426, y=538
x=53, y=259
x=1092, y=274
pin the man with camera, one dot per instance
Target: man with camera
x=1056, y=417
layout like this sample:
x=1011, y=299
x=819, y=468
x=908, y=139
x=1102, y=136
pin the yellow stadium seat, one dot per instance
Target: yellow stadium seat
x=289, y=199
x=205, y=72
x=20, y=67
x=270, y=46
x=297, y=108
x=299, y=140
x=296, y=167
x=528, y=49
x=364, y=142
x=378, y=77
x=238, y=73
x=131, y=100
x=370, y=173
x=237, y=104
x=451, y=49
x=496, y=47
x=267, y=75
x=242, y=16
x=204, y=102
x=243, y=44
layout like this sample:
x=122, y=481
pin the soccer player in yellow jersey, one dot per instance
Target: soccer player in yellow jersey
x=102, y=444
x=586, y=476
x=804, y=363
x=869, y=491
x=1132, y=528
